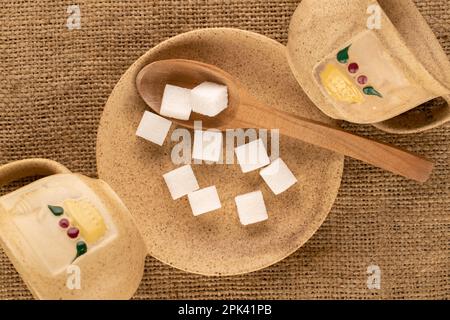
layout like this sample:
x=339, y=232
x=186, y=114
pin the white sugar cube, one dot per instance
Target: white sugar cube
x=209, y=98
x=181, y=181
x=252, y=156
x=204, y=200
x=278, y=176
x=207, y=145
x=251, y=208
x=176, y=102
x=153, y=128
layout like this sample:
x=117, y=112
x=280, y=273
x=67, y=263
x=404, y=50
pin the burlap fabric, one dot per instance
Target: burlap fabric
x=55, y=82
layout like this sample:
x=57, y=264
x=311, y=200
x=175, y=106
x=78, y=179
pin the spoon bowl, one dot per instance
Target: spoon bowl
x=153, y=78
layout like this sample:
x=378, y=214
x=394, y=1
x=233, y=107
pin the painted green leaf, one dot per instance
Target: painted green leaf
x=57, y=211
x=342, y=55
x=81, y=248
x=370, y=91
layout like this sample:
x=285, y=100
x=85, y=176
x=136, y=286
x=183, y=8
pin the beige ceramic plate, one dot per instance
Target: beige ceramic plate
x=216, y=243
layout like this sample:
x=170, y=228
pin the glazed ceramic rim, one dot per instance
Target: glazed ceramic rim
x=316, y=224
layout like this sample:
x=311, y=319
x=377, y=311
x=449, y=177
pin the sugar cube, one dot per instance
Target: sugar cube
x=252, y=156
x=204, y=200
x=207, y=145
x=251, y=208
x=278, y=176
x=181, y=181
x=209, y=98
x=176, y=102
x=153, y=128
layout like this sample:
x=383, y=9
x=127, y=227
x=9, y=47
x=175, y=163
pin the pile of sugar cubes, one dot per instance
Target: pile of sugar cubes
x=210, y=99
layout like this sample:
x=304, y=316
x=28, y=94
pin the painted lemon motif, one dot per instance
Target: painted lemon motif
x=87, y=218
x=339, y=86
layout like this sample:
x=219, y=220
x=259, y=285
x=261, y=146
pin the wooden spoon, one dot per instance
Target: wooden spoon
x=244, y=111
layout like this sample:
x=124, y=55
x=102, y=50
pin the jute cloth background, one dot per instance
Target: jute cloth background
x=55, y=82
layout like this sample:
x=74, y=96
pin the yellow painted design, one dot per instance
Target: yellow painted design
x=339, y=86
x=86, y=218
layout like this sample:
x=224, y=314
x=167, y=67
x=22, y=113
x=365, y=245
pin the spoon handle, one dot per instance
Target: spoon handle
x=378, y=154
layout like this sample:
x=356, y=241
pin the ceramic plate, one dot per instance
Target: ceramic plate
x=216, y=243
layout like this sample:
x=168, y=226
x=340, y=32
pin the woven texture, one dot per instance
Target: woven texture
x=55, y=82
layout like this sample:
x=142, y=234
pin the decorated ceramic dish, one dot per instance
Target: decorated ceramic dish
x=216, y=243
x=69, y=236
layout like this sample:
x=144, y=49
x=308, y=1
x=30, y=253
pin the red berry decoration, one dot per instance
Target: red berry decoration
x=73, y=232
x=64, y=223
x=353, y=67
x=362, y=80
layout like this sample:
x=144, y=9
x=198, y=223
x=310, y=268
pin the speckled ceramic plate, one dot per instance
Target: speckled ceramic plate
x=216, y=243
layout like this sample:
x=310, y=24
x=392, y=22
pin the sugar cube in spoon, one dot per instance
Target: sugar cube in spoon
x=209, y=98
x=176, y=103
